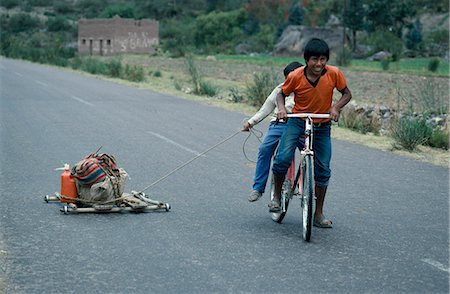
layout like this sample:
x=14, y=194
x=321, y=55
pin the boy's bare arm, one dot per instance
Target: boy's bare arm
x=336, y=108
x=282, y=112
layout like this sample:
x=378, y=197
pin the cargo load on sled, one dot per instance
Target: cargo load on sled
x=96, y=184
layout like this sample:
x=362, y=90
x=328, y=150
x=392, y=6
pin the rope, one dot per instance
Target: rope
x=258, y=136
x=189, y=161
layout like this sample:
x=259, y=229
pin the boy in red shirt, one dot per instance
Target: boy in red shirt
x=313, y=86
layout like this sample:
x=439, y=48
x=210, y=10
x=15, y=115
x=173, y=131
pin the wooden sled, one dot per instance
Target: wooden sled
x=133, y=202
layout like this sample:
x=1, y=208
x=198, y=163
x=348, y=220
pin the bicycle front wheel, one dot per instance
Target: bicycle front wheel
x=308, y=196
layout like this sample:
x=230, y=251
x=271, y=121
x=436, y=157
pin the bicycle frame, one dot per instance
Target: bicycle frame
x=307, y=147
x=306, y=173
x=296, y=179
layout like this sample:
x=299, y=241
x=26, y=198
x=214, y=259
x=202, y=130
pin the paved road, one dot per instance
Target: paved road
x=391, y=214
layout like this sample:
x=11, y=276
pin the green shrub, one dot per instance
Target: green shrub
x=115, y=68
x=344, y=56
x=433, y=99
x=386, y=41
x=436, y=42
x=59, y=61
x=76, y=62
x=433, y=64
x=262, y=86
x=8, y=4
x=262, y=41
x=235, y=95
x=409, y=132
x=385, y=64
x=57, y=24
x=177, y=84
x=193, y=73
x=94, y=66
x=439, y=139
x=157, y=74
x=22, y=22
x=134, y=73
x=208, y=89
x=40, y=3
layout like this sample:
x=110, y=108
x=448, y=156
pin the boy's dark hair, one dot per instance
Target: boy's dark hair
x=316, y=47
x=291, y=67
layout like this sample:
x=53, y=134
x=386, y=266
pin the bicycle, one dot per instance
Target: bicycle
x=302, y=184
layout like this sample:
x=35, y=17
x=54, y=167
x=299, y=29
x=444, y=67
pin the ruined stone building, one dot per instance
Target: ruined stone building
x=117, y=35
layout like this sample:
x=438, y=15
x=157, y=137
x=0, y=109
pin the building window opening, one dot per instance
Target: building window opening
x=108, y=42
x=83, y=41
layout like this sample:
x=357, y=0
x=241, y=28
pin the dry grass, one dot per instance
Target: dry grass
x=372, y=88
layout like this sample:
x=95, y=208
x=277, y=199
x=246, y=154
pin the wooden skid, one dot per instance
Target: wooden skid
x=69, y=210
x=72, y=208
x=49, y=198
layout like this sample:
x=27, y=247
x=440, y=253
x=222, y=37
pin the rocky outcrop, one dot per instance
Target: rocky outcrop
x=294, y=38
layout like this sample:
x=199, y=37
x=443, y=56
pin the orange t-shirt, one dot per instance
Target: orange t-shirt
x=314, y=99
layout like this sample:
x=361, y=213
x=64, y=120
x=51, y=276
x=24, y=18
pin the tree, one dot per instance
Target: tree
x=272, y=12
x=163, y=9
x=22, y=22
x=8, y=4
x=386, y=41
x=354, y=18
x=223, y=5
x=220, y=30
x=91, y=8
x=58, y=23
x=296, y=14
x=414, y=36
x=122, y=10
x=177, y=35
x=389, y=15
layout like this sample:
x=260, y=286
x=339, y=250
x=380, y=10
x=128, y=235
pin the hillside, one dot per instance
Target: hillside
x=412, y=28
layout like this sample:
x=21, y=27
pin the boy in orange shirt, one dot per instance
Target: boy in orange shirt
x=313, y=86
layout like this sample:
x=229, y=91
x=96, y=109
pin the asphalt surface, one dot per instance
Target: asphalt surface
x=390, y=213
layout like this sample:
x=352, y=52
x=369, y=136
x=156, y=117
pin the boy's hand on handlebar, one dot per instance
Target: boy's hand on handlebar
x=334, y=114
x=282, y=114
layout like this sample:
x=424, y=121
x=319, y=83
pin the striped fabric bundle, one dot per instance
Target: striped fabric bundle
x=94, y=168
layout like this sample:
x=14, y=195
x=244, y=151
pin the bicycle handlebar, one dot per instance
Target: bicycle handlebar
x=311, y=115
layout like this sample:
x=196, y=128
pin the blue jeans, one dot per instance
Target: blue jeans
x=295, y=128
x=265, y=153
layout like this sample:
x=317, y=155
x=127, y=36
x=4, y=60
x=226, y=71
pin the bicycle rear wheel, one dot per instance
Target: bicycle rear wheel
x=308, y=196
x=285, y=197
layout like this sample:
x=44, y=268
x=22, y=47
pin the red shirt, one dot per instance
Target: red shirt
x=314, y=97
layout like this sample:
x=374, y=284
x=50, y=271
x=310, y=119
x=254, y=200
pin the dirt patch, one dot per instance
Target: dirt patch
x=376, y=88
x=371, y=88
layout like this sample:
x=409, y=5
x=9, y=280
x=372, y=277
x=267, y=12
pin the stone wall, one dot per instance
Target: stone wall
x=380, y=116
x=117, y=35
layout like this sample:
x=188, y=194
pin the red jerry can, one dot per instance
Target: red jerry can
x=68, y=186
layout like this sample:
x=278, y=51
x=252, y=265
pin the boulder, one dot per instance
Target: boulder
x=294, y=38
x=382, y=55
